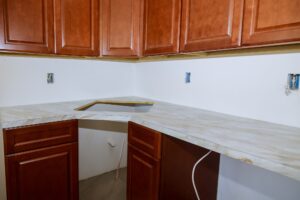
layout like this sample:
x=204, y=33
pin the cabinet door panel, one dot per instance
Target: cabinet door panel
x=178, y=159
x=26, y=25
x=211, y=25
x=47, y=174
x=161, y=26
x=142, y=176
x=122, y=24
x=268, y=21
x=77, y=27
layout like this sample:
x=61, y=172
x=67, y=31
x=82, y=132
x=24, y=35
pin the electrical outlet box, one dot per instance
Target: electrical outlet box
x=188, y=77
x=50, y=78
x=293, y=81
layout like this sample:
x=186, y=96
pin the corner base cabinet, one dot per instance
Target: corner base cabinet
x=160, y=167
x=42, y=161
x=178, y=159
x=143, y=170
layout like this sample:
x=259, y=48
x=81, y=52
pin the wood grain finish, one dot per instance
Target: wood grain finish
x=37, y=136
x=162, y=26
x=178, y=159
x=143, y=170
x=122, y=27
x=211, y=25
x=27, y=26
x=41, y=161
x=143, y=174
x=77, y=27
x=43, y=174
x=269, y=22
x=145, y=139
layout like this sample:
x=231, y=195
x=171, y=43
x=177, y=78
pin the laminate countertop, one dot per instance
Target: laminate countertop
x=271, y=146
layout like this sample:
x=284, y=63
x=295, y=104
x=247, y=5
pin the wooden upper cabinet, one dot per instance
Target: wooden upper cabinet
x=269, y=21
x=27, y=26
x=77, y=27
x=122, y=27
x=211, y=25
x=161, y=26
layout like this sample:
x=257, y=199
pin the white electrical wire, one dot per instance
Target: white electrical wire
x=193, y=173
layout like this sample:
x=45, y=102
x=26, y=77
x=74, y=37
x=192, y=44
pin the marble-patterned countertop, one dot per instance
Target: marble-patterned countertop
x=271, y=146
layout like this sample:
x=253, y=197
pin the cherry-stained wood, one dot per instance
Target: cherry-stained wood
x=77, y=27
x=178, y=159
x=143, y=165
x=41, y=161
x=26, y=26
x=271, y=22
x=161, y=26
x=145, y=139
x=44, y=174
x=143, y=173
x=32, y=137
x=122, y=27
x=211, y=25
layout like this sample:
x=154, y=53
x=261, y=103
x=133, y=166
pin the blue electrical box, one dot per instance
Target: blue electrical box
x=293, y=80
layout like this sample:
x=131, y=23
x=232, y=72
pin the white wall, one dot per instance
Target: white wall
x=23, y=79
x=250, y=86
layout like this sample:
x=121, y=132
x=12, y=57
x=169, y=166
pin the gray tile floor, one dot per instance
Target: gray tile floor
x=104, y=187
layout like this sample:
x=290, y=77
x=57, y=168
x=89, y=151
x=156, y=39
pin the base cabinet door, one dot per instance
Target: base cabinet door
x=271, y=22
x=27, y=26
x=142, y=176
x=178, y=159
x=44, y=174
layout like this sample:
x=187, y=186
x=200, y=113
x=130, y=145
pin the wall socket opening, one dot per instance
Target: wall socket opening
x=50, y=78
x=188, y=77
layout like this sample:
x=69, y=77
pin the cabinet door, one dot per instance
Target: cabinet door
x=77, y=27
x=142, y=176
x=122, y=27
x=269, y=21
x=26, y=26
x=161, y=26
x=44, y=174
x=211, y=25
x=178, y=159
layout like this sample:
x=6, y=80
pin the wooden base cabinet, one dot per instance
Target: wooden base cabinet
x=160, y=167
x=178, y=159
x=143, y=170
x=143, y=176
x=46, y=173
